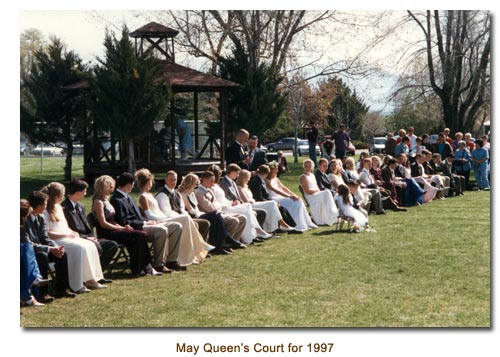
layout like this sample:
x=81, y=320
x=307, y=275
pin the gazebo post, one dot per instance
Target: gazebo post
x=172, y=128
x=223, y=118
x=196, y=128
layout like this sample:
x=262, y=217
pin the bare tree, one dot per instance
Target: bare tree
x=457, y=48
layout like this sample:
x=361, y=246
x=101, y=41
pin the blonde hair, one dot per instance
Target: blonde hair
x=350, y=161
x=306, y=161
x=143, y=176
x=101, y=185
x=53, y=190
x=243, y=177
x=188, y=181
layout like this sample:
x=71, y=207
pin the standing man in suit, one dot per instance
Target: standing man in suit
x=74, y=212
x=236, y=153
x=257, y=155
x=231, y=190
x=46, y=250
x=165, y=239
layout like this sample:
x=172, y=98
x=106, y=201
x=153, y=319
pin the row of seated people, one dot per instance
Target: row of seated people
x=182, y=225
x=464, y=155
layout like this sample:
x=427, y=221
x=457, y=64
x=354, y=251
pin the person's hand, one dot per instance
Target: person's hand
x=294, y=197
x=151, y=222
x=235, y=203
x=74, y=235
x=93, y=239
x=58, y=252
x=128, y=228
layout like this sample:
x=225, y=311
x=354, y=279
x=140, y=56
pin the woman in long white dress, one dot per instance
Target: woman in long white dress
x=321, y=205
x=294, y=204
x=192, y=249
x=83, y=257
x=343, y=199
x=273, y=218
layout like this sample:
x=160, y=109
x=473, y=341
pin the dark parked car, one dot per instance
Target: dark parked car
x=283, y=144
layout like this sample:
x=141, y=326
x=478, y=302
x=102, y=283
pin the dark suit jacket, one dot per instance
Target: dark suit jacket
x=259, y=158
x=323, y=181
x=236, y=155
x=230, y=189
x=258, y=188
x=77, y=219
x=38, y=234
x=416, y=170
x=388, y=174
x=126, y=211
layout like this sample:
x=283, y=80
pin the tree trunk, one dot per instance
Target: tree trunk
x=131, y=157
x=69, y=162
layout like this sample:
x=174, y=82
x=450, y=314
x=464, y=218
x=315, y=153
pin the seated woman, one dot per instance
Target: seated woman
x=29, y=274
x=274, y=218
x=218, y=231
x=285, y=197
x=83, y=257
x=343, y=199
x=335, y=173
x=192, y=248
x=321, y=205
x=136, y=241
x=252, y=228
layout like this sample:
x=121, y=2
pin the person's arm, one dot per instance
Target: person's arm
x=144, y=204
x=98, y=209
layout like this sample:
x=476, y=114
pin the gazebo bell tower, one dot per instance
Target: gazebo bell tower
x=154, y=36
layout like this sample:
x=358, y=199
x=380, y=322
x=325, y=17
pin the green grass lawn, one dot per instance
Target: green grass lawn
x=428, y=267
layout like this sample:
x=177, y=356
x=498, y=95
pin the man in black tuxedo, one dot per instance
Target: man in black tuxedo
x=321, y=177
x=166, y=241
x=46, y=250
x=74, y=212
x=257, y=185
x=257, y=155
x=231, y=190
x=236, y=153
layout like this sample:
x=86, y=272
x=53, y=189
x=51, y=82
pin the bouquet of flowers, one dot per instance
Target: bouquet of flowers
x=272, y=165
x=355, y=228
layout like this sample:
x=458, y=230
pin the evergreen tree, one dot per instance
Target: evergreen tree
x=49, y=113
x=128, y=97
x=347, y=108
x=260, y=103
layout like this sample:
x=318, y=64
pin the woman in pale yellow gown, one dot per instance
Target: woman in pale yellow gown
x=193, y=248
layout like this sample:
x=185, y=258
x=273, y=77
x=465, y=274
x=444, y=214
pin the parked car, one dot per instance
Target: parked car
x=47, y=149
x=303, y=148
x=24, y=148
x=377, y=145
x=283, y=144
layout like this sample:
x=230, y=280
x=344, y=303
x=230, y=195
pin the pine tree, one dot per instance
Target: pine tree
x=128, y=97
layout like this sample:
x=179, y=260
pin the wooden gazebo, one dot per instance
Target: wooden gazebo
x=102, y=159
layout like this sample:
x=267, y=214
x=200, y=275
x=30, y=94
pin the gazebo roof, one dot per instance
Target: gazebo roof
x=154, y=29
x=184, y=79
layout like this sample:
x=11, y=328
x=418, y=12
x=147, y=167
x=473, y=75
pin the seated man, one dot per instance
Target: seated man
x=228, y=184
x=172, y=205
x=322, y=178
x=46, y=250
x=74, y=212
x=235, y=223
x=165, y=241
